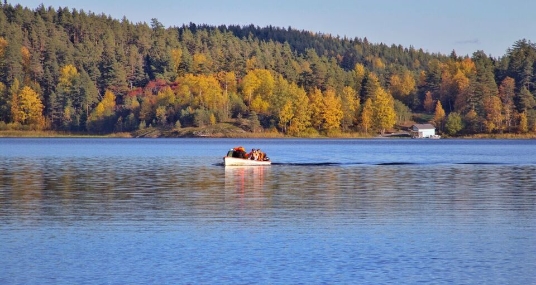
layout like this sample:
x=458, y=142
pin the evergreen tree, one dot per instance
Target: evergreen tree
x=525, y=100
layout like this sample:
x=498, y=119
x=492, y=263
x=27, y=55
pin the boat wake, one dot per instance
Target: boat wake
x=313, y=164
x=309, y=163
x=341, y=163
x=395, y=163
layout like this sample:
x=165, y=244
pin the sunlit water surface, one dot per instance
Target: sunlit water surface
x=165, y=211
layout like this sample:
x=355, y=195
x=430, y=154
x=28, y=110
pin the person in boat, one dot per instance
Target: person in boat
x=255, y=154
x=260, y=155
x=250, y=154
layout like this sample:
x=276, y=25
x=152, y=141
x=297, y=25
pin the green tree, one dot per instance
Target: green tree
x=454, y=123
x=371, y=86
x=4, y=107
x=525, y=100
x=403, y=113
x=254, y=123
x=113, y=74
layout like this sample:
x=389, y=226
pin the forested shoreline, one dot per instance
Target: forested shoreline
x=67, y=70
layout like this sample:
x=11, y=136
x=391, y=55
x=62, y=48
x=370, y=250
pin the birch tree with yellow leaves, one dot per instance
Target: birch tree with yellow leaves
x=384, y=116
x=366, y=115
x=257, y=89
x=316, y=105
x=27, y=109
x=301, y=118
x=103, y=116
x=349, y=107
x=332, y=113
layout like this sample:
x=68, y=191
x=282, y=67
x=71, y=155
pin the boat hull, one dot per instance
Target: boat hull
x=234, y=161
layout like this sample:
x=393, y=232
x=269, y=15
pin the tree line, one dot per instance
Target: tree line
x=69, y=70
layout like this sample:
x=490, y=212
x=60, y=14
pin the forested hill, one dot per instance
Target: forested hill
x=65, y=69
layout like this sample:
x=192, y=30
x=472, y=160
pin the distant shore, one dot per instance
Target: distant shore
x=234, y=133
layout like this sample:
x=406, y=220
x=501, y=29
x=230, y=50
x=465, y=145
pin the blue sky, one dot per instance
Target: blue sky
x=438, y=26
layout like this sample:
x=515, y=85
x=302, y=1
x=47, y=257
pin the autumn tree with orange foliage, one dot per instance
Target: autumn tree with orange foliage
x=428, y=103
x=494, y=117
x=439, y=116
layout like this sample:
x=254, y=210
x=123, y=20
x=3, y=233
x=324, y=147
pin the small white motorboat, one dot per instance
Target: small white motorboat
x=235, y=161
x=238, y=157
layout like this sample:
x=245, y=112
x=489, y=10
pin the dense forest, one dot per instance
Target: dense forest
x=68, y=70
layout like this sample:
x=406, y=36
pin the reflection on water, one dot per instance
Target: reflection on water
x=145, y=190
x=242, y=178
x=141, y=219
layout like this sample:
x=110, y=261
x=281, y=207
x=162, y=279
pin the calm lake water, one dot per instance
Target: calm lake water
x=165, y=211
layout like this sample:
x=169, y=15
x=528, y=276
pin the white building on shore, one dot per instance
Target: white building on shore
x=423, y=131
